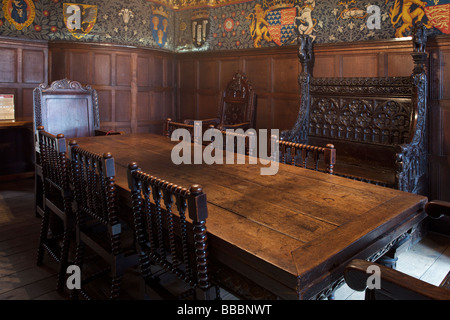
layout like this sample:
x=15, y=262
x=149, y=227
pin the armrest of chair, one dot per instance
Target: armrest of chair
x=244, y=125
x=437, y=208
x=107, y=133
x=205, y=122
x=393, y=284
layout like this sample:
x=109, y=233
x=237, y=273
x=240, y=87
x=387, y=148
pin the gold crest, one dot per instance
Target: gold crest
x=79, y=18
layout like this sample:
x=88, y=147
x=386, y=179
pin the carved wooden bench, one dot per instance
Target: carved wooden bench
x=377, y=125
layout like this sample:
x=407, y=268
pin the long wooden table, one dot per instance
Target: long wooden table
x=285, y=236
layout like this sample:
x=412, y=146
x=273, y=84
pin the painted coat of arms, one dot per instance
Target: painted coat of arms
x=159, y=21
x=19, y=13
x=79, y=18
x=438, y=14
x=281, y=18
x=200, y=26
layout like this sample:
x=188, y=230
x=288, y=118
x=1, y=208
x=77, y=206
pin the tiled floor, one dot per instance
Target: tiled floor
x=428, y=260
x=20, y=278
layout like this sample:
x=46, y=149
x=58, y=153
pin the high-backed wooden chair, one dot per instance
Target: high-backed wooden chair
x=308, y=156
x=65, y=107
x=237, y=107
x=395, y=285
x=99, y=226
x=166, y=237
x=57, y=202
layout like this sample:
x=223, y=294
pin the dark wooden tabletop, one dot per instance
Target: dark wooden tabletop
x=292, y=233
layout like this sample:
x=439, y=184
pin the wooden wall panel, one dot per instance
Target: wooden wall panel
x=399, y=65
x=228, y=67
x=80, y=67
x=360, y=66
x=102, y=69
x=445, y=74
x=27, y=104
x=33, y=71
x=137, y=86
x=273, y=74
x=129, y=82
x=105, y=105
x=23, y=66
x=324, y=66
x=8, y=65
x=285, y=71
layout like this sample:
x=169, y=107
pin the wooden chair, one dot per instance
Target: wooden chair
x=308, y=156
x=57, y=202
x=171, y=125
x=165, y=237
x=395, y=285
x=237, y=107
x=99, y=225
x=68, y=108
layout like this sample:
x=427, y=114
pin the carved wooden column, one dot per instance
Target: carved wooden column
x=414, y=157
x=299, y=132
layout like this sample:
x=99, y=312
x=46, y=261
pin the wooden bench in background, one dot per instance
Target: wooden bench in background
x=377, y=125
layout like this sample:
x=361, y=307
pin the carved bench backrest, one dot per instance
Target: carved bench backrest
x=371, y=110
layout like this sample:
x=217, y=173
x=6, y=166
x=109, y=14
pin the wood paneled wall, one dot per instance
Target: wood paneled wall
x=273, y=73
x=139, y=88
x=135, y=86
x=23, y=66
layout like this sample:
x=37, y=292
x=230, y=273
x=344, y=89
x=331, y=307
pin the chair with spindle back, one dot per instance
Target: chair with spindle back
x=307, y=156
x=66, y=107
x=57, y=202
x=99, y=224
x=165, y=236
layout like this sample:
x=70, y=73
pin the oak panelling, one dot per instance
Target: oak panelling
x=209, y=80
x=23, y=66
x=102, y=69
x=123, y=110
x=8, y=65
x=264, y=113
x=208, y=105
x=143, y=70
x=259, y=73
x=33, y=71
x=360, y=66
x=27, y=104
x=399, y=64
x=80, y=67
x=285, y=113
x=126, y=79
x=187, y=105
x=285, y=70
x=123, y=70
x=143, y=106
x=187, y=75
x=324, y=66
x=445, y=74
x=227, y=69
x=445, y=124
x=105, y=105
